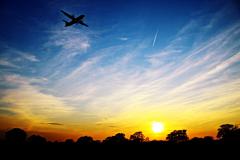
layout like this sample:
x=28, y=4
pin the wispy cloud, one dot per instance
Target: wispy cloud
x=7, y=64
x=10, y=52
x=211, y=73
x=66, y=45
x=20, y=80
x=56, y=124
x=29, y=57
x=28, y=102
x=123, y=38
x=71, y=42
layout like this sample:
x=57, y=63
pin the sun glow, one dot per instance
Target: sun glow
x=157, y=127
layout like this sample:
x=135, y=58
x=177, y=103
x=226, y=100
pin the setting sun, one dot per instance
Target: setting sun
x=157, y=127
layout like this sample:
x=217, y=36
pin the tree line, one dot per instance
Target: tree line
x=226, y=134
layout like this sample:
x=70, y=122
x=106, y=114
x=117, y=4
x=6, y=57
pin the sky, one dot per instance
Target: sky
x=138, y=62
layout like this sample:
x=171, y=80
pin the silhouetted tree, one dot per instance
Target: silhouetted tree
x=109, y=140
x=225, y=130
x=177, y=136
x=37, y=140
x=237, y=135
x=229, y=133
x=196, y=140
x=205, y=140
x=137, y=137
x=208, y=139
x=119, y=138
x=69, y=141
x=85, y=140
x=97, y=142
x=16, y=136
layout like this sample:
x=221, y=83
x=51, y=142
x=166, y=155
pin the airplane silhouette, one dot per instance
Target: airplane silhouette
x=74, y=20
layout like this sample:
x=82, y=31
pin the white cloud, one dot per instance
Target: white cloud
x=123, y=38
x=71, y=42
x=30, y=103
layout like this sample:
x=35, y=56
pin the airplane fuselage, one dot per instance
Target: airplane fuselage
x=74, y=20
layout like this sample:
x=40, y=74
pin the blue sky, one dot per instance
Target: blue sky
x=136, y=58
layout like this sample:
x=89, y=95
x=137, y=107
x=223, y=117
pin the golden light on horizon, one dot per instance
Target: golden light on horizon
x=157, y=127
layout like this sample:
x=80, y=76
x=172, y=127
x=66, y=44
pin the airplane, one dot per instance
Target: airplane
x=74, y=20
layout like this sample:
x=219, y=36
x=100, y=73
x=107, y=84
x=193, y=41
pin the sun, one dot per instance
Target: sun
x=157, y=127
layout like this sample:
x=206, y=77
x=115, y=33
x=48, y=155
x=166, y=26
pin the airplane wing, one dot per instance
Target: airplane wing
x=68, y=15
x=80, y=17
x=83, y=23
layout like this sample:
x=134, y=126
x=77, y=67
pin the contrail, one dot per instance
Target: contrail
x=155, y=37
